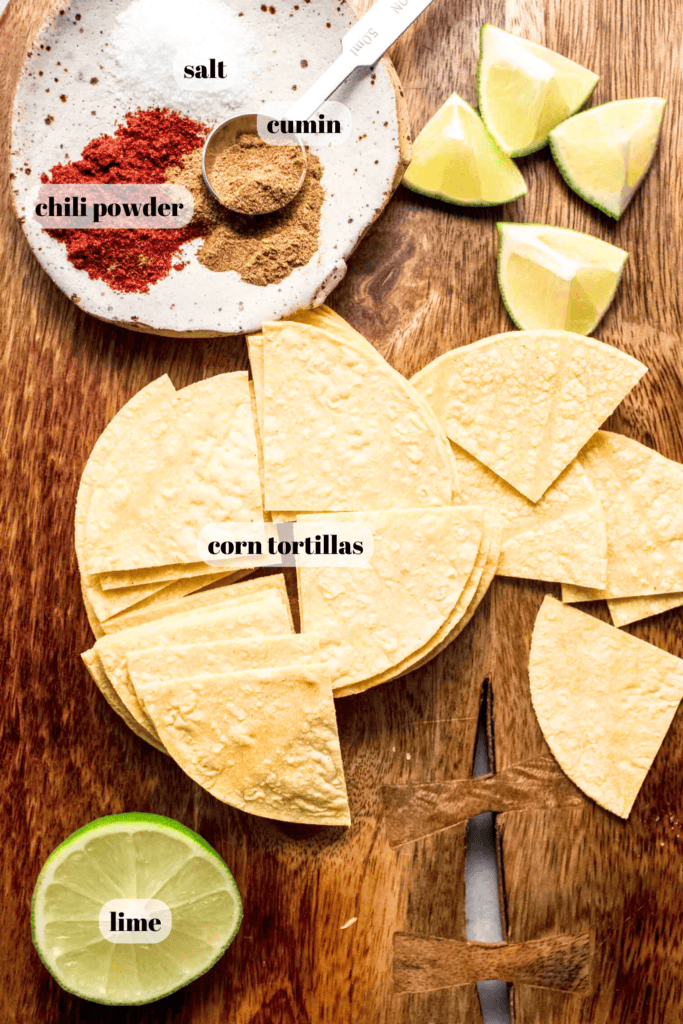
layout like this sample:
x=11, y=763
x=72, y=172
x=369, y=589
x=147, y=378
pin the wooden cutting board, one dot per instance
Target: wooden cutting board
x=590, y=901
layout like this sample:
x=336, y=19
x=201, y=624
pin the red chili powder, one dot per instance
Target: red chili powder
x=139, y=151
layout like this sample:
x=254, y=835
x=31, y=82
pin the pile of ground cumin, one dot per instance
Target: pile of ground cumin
x=252, y=177
x=262, y=250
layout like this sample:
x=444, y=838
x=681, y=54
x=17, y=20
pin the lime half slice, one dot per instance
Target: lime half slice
x=525, y=90
x=132, y=907
x=556, y=278
x=605, y=152
x=456, y=159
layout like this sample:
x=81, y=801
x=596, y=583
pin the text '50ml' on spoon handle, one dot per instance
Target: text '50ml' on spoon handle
x=362, y=46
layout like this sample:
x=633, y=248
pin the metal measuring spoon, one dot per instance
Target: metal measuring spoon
x=362, y=47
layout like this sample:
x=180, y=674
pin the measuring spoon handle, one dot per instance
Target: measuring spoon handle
x=362, y=46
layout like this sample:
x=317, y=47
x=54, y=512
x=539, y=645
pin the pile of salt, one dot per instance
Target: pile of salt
x=153, y=42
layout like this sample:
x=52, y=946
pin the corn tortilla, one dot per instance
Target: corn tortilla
x=625, y=610
x=561, y=538
x=124, y=440
x=206, y=471
x=150, y=611
x=190, y=661
x=324, y=318
x=473, y=592
x=642, y=495
x=263, y=740
x=252, y=618
x=524, y=403
x=604, y=701
x=160, y=574
x=343, y=430
x=94, y=666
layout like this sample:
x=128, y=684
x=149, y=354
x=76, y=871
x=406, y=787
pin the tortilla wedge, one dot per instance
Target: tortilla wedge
x=358, y=416
x=642, y=495
x=560, y=538
x=385, y=612
x=147, y=666
x=625, y=610
x=489, y=567
x=141, y=421
x=604, y=701
x=524, y=403
x=160, y=574
x=206, y=471
x=324, y=318
x=263, y=740
x=151, y=611
x=253, y=617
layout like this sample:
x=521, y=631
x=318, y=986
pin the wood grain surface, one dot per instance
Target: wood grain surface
x=420, y=284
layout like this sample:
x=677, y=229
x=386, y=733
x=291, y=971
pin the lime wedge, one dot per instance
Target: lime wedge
x=144, y=863
x=525, y=90
x=556, y=278
x=456, y=159
x=605, y=152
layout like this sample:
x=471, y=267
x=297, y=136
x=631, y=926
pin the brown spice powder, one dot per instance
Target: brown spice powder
x=253, y=177
x=262, y=250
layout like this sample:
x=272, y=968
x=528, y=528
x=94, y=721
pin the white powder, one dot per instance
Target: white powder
x=155, y=39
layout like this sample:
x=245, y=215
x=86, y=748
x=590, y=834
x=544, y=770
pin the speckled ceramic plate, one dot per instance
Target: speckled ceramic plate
x=67, y=75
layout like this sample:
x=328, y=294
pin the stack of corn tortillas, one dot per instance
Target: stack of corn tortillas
x=484, y=463
x=207, y=668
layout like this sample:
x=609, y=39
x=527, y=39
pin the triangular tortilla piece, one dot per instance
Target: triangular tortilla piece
x=112, y=602
x=561, y=538
x=160, y=574
x=322, y=318
x=190, y=661
x=473, y=592
x=152, y=609
x=255, y=349
x=342, y=429
x=206, y=472
x=101, y=604
x=325, y=319
x=130, y=437
x=625, y=610
x=604, y=701
x=642, y=494
x=94, y=666
x=263, y=740
x=255, y=617
x=172, y=592
x=384, y=612
x=524, y=403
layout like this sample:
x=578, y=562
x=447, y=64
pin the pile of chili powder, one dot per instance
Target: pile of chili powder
x=140, y=151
